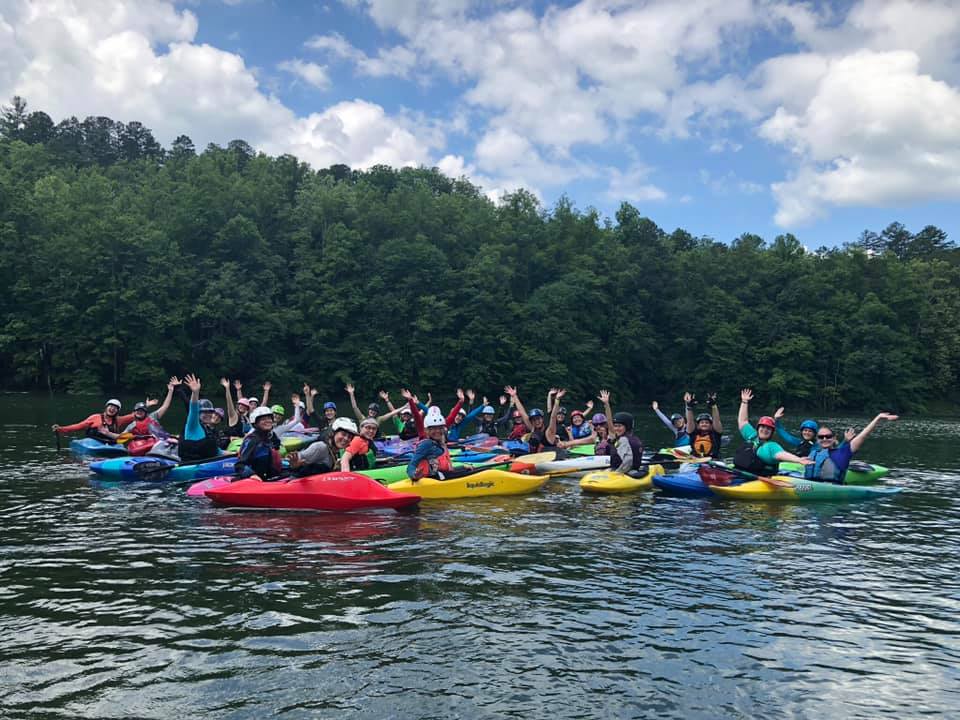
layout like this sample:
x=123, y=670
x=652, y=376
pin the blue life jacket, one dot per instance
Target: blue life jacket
x=682, y=438
x=823, y=468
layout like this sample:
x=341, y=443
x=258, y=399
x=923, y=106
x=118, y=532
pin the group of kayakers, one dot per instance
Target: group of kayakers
x=343, y=443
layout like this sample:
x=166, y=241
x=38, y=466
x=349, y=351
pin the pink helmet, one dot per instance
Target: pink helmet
x=768, y=421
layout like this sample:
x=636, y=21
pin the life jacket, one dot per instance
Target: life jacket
x=365, y=460
x=487, y=428
x=823, y=468
x=538, y=441
x=562, y=433
x=147, y=426
x=213, y=441
x=517, y=431
x=704, y=445
x=409, y=430
x=261, y=454
x=804, y=448
x=602, y=447
x=580, y=431
x=435, y=464
x=682, y=438
x=746, y=458
x=109, y=424
x=635, y=446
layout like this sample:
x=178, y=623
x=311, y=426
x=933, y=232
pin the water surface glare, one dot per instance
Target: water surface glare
x=140, y=602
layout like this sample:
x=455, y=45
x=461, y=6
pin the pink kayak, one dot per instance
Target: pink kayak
x=336, y=491
x=199, y=489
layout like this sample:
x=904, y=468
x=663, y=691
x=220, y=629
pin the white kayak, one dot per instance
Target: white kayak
x=580, y=463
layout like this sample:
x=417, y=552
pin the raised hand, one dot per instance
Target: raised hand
x=552, y=392
x=460, y=394
x=687, y=398
x=778, y=414
x=192, y=382
x=349, y=388
x=655, y=405
x=405, y=394
x=746, y=395
x=429, y=399
x=561, y=393
x=313, y=392
x=173, y=382
x=306, y=390
x=385, y=395
x=604, y=396
x=485, y=401
x=849, y=434
x=503, y=399
x=589, y=405
x=238, y=386
x=151, y=403
x=267, y=385
x=510, y=390
x=471, y=395
x=225, y=383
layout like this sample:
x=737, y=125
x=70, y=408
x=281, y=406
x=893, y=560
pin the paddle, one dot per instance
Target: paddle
x=57, y=436
x=775, y=482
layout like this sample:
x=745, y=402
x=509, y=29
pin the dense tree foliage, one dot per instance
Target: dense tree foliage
x=123, y=262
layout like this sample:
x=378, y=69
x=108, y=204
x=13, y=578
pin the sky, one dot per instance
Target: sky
x=718, y=116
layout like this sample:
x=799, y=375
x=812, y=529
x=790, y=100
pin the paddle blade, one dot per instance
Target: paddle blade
x=776, y=481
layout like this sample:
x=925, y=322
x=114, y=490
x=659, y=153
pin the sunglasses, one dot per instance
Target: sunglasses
x=824, y=437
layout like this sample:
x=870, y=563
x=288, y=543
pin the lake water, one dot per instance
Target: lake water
x=141, y=602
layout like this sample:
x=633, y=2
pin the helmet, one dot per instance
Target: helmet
x=252, y=400
x=536, y=412
x=562, y=410
x=206, y=406
x=243, y=401
x=599, y=419
x=374, y=406
x=370, y=421
x=114, y=401
x=575, y=413
x=625, y=419
x=675, y=417
x=140, y=406
x=221, y=412
x=434, y=418
x=346, y=424
x=406, y=411
x=704, y=416
x=768, y=421
x=329, y=405
x=260, y=412
x=278, y=410
x=809, y=425
x=516, y=415
x=487, y=410
x=460, y=412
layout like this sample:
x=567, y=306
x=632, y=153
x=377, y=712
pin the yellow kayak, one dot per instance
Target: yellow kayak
x=802, y=490
x=481, y=484
x=606, y=481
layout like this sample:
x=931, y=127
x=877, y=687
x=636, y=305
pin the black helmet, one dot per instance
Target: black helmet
x=704, y=416
x=623, y=418
x=140, y=406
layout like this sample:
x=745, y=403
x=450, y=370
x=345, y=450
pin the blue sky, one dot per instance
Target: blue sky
x=718, y=116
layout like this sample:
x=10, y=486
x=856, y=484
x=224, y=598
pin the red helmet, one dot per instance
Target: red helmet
x=768, y=421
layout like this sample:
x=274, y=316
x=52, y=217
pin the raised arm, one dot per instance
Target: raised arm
x=385, y=396
x=551, y=433
x=688, y=400
x=351, y=391
x=785, y=434
x=550, y=394
x=604, y=397
x=452, y=417
x=714, y=412
x=413, y=404
x=171, y=386
x=232, y=416
x=515, y=398
x=308, y=394
x=858, y=440
x=663, y=418
x=507, y=413
x=266, y=394
x=743, y=415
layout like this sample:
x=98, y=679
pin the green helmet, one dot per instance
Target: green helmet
x=278, y=410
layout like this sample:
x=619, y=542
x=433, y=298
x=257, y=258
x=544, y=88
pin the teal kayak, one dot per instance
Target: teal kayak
x=802, y=491
x=859, y=473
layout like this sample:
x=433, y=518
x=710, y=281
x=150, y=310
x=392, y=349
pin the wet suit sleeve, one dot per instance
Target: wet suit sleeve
x=94, y=421
x=417, y=420
x=626, y=455
x=193, y=430
x=787, y=436
x=666, y=421
x=453, y=413
x=456, y=429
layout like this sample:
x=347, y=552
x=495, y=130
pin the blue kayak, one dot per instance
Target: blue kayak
x=686, y=484
x=150, y=469
x=89, y=446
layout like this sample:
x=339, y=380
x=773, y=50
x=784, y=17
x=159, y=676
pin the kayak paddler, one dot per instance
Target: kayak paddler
x=760, y=454
x=706, y=430
x=808, y=434
x=105, y=426
x=201, y=437
x=260, y=451
x=146, y=425
x=827, y=461
x=431, y=458
x=676, y=423
x=361, y=453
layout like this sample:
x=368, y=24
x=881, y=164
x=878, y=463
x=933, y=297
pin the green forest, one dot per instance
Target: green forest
x=124, y=262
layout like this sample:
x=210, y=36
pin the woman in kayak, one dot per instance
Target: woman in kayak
x=706, y=430
x=579, y=427
x=323, y=456
x=146, y=425
x=459, y=425
x=260, y=451
x=202, y=438
x=808, y=434
x=760, y=454
x=105, y=426
x=542, y=437
x=677, y=425
x=238, y=420
x=431, y=458
x=361, y=453
x=624, y=448
x=827, y=461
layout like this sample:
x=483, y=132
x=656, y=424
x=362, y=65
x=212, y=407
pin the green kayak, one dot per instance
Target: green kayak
x=859, y=473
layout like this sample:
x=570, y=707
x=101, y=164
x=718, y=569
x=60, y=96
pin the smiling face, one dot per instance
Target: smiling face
x=209, y=418
x=341, y=438
x=704, y=426
x=678, y=423
x=808, y=433
x=537, y=422
x=111, y=410
x=138, y=414
x=577, y=420
x=330, y=414
x=764, y=432
x=619, y=429
x=265, y=423
x=435, y=433
x=825, y=437
x=368, y=431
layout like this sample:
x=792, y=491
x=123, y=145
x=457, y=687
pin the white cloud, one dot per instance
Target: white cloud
x=311, y=73
x=729, y=183
x=396, y=61
x=137, y=60
x=632, y=186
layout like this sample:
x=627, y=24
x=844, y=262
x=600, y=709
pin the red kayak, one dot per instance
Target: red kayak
x=337, y=491
x=141, y=446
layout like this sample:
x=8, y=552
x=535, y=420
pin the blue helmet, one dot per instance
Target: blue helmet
x=809, y=425
x=536, y=412
x=329, y=405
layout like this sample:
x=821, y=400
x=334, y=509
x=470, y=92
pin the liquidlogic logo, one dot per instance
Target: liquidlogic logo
x=479, y=485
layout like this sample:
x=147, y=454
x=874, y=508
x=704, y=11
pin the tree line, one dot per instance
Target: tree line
x=124, y=262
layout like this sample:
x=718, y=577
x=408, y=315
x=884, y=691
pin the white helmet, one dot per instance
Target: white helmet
x=114, y=401
x=343, y=423
x=259, y=413
x=487, y=410
x=434, y=418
